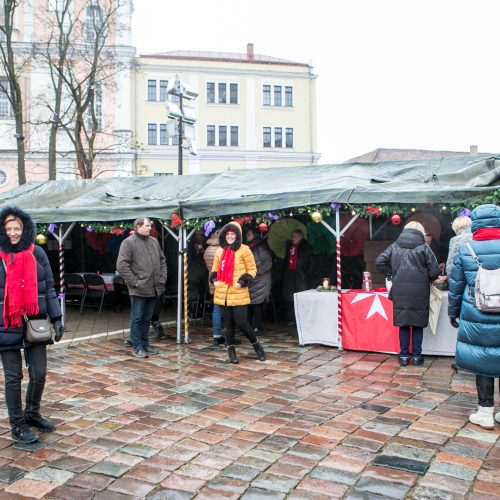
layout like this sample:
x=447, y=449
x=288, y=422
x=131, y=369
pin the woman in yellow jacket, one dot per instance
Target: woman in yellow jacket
x=232, y=270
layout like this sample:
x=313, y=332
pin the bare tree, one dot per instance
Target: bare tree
x=12, y=61
x=83, y=65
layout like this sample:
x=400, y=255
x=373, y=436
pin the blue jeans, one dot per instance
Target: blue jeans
x=141, y=312
x=217, y=321
x=417, y=335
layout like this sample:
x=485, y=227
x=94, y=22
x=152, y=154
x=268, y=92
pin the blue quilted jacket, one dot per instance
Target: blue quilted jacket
x=478, y=341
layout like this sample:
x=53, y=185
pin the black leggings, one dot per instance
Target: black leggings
x=237, y=315
x=12, y=362
x=485, y=390
x=255, y=314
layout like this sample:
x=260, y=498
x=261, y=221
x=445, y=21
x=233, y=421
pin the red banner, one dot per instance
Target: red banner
x=367, y=322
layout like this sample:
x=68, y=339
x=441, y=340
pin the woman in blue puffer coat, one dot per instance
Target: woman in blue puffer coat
x=478, y=342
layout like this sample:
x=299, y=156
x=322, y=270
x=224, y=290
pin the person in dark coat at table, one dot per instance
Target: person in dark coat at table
x=299, y=261
x=478, y=341
x=260, y=286
x=412, y=266
x=26, y=290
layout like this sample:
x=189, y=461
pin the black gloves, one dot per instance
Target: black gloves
x=59, y=329
x=454, y=322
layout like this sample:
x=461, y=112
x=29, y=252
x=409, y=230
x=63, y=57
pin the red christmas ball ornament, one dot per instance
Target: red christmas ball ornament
x=131, y=232
x=395, y=219
x=175, y=221
x=263, y=227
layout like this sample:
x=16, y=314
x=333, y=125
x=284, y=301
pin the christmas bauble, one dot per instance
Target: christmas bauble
x=41, y=239
x=395, y=219
x=316, y=216
x=263, y=227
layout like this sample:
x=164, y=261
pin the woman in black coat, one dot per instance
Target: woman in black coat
x=260, y=286
x=412, y=266
x=26, y=290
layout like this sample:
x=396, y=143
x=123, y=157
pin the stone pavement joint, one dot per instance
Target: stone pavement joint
x=310, y=423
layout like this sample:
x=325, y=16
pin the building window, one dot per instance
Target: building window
x=234, y=136
x=222, y=135
x=152, y=132
x=5, y=106
x=277, y=95
x=210, y=135
x=289, y=137
x=267, y=137
x=151, y=90
x=98, y=105
x=3, y=177
x=278, y=137
x=210, y=92
x=233, y=93
x=288, y=96
x=163, y=90
x=266, y=95
x=222, y=93
x=175, y=140
x=163, y=134
x=94, y=23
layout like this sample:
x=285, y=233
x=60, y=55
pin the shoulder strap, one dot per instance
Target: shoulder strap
x=474, y=256
x=399, y=265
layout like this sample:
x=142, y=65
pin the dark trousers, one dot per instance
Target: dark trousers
x=417, y=334
x=141, y=312
x=485, y=388
x=255, y=315
x=12, y=361
x=237, y=316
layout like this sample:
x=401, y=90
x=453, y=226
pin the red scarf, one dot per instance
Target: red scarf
x=292, y=257
x=21, y=287
x=488, y=233
x=225, y=273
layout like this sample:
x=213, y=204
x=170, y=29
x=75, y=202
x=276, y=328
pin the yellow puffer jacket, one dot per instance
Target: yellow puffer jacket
x=244, y=270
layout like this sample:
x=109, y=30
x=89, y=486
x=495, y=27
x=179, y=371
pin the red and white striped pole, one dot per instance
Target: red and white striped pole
x=62, y=286
x=339, y=276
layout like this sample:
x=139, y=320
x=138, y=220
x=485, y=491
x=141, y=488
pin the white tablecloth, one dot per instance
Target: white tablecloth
x=317, y=323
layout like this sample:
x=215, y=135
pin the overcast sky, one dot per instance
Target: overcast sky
x=421, y=74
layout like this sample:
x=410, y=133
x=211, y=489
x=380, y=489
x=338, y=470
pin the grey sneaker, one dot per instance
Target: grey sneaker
x=151, y=350
x=139, y=353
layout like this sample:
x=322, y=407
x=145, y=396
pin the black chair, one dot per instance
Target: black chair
x=76, y=290
x=121, y=297
x=96, y=290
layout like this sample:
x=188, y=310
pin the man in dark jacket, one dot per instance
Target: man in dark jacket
x=412, y=266
x=142, y=265
x=299, y=261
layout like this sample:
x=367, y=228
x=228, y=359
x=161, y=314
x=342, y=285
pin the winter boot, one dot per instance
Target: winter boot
x=260, y=351
x=36, y=420
x=23, y=435
x=497, y=417
x=158, y=328
x=231, y=352
x=403, y=360
x=483, y=417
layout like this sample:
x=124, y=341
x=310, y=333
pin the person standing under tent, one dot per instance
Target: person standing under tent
x=411, y=266
x=27, y=291
x=478, y=340
x=232, y=271
x=142, y=265
x=260, y=286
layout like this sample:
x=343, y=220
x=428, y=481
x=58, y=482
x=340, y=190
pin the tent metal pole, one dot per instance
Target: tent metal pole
x=62, y=288
x=339, y=276
x=179, y=286
x=185, y=297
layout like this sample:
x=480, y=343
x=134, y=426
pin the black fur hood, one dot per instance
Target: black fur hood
x=231, y=226
x=29, y=230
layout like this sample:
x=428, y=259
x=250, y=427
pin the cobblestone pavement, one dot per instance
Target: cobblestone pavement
x=310, y=423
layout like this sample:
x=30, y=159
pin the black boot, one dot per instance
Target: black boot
x=36, y=420
x=417, y=360
x=403, y=360
x=158, y=328
x=23, y=435
x=231, y=352
x=260, y=351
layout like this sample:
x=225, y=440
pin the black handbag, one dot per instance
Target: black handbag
x=38, y=330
